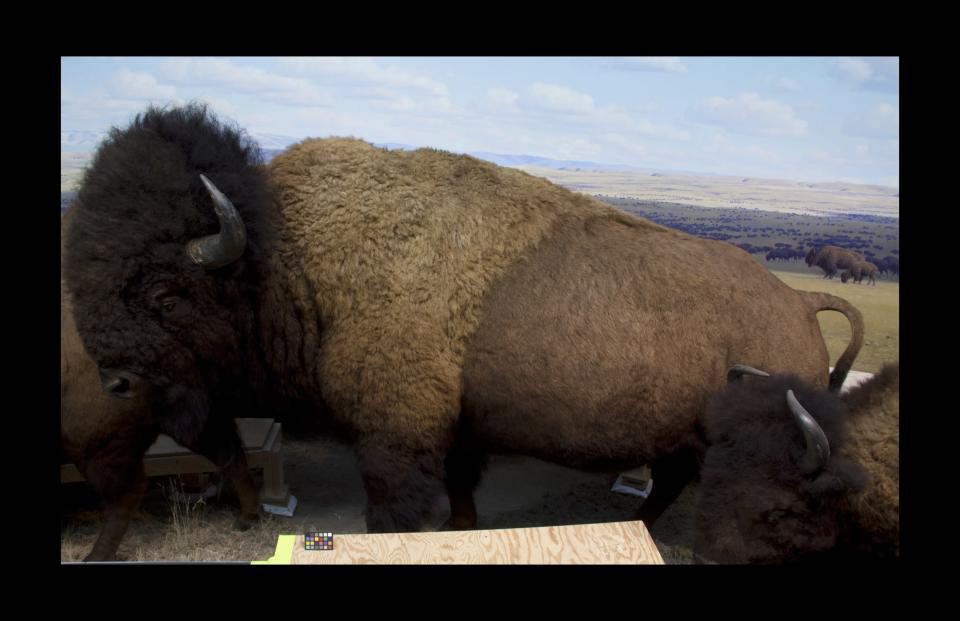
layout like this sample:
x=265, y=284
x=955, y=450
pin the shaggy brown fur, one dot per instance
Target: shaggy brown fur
x=754, y=504
x=372, y=271
x=106, y=438
x=591, y=355
x=833, y=258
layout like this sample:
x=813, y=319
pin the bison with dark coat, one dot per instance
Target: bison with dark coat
x=809, y=476
x=438, y=306
x=833, y=258
x=106, y=438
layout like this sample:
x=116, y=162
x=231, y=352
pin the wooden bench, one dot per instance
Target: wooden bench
x=611, y=543
x=261, y=439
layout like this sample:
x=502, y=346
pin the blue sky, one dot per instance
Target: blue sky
x=806, y=119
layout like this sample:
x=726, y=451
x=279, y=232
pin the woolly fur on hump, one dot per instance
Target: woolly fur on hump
x=401, y=248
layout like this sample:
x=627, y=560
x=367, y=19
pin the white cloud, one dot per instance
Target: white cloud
x=629, y=146
x=748, y=113
x=560, y=107
x=880, y=122
x=502, y=98
x=879, y=74
x=670, y=64
x=821, y=156
x=787, y=84
x=127, y=84
x=247, y=80
x=364, y=71
x=559, y=98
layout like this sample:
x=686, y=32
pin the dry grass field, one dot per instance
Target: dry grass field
x=880, y=306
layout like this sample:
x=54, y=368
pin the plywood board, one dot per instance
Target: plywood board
x=610, y=543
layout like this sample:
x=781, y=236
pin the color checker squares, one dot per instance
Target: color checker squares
x=318, y=541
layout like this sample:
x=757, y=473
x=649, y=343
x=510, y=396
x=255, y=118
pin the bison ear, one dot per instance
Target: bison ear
x=818, y=447
x=225, y=247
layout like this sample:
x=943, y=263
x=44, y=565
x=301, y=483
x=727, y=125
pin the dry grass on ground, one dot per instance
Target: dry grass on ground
x=169, y=528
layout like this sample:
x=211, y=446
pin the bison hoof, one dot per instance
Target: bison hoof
x=245, y=522
x=459, y=524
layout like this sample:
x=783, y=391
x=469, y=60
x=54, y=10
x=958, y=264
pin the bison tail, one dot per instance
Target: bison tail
x=823, y=302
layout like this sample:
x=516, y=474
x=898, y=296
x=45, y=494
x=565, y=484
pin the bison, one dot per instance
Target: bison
x=833, y=258
x=858, y=271
x=106, y=438
x=439, y=307
x=796, y=474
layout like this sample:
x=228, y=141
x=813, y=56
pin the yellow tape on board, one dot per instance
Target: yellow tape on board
x=284, y=551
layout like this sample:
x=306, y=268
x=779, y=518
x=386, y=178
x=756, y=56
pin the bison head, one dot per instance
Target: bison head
x=811, y=257
x=158, y=259
x=772, y=483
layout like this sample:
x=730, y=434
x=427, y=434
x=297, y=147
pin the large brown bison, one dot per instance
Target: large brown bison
x=833, y=258
x=106, y=438
x=440, y=307
x=793, y=473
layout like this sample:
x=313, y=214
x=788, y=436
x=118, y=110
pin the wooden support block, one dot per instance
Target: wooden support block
x=261, y=439
x=610, y=543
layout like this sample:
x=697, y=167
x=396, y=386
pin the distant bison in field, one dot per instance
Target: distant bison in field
x=794, y=473
x=833, y=258
x=439, y=307
x=784, y=254
x=858, y=271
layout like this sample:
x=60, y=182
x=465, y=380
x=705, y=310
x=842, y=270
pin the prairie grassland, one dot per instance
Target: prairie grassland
x=880, y=306
x=717, y=191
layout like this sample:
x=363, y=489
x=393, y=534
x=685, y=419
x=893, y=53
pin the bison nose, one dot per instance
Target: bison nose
x=119, y=383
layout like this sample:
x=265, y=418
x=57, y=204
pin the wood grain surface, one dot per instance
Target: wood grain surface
x=605, y=544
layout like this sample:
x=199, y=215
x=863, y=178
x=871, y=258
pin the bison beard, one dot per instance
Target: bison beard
x=439, y=307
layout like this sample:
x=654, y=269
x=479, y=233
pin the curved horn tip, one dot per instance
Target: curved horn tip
x=739, y=370
x=818, y=447
x=225, y=247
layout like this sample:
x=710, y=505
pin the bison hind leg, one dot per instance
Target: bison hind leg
x=464, y=467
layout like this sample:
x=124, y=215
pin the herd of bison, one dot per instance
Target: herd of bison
x=434, y=310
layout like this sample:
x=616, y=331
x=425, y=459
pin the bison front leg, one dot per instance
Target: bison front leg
x=402, y=482
x=670, y=476
x=220, y=443
x=121, y=486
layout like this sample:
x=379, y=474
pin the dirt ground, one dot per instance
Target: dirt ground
x=322, y=473
x=515, y=492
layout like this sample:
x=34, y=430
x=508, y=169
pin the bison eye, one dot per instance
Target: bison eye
x=168, y=305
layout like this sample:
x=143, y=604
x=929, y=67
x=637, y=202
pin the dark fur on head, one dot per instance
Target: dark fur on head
x=755, y=504
x=149, y=174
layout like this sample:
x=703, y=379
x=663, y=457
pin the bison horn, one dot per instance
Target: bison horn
x=739, y=370
x=225, y=247
x=818, y=448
